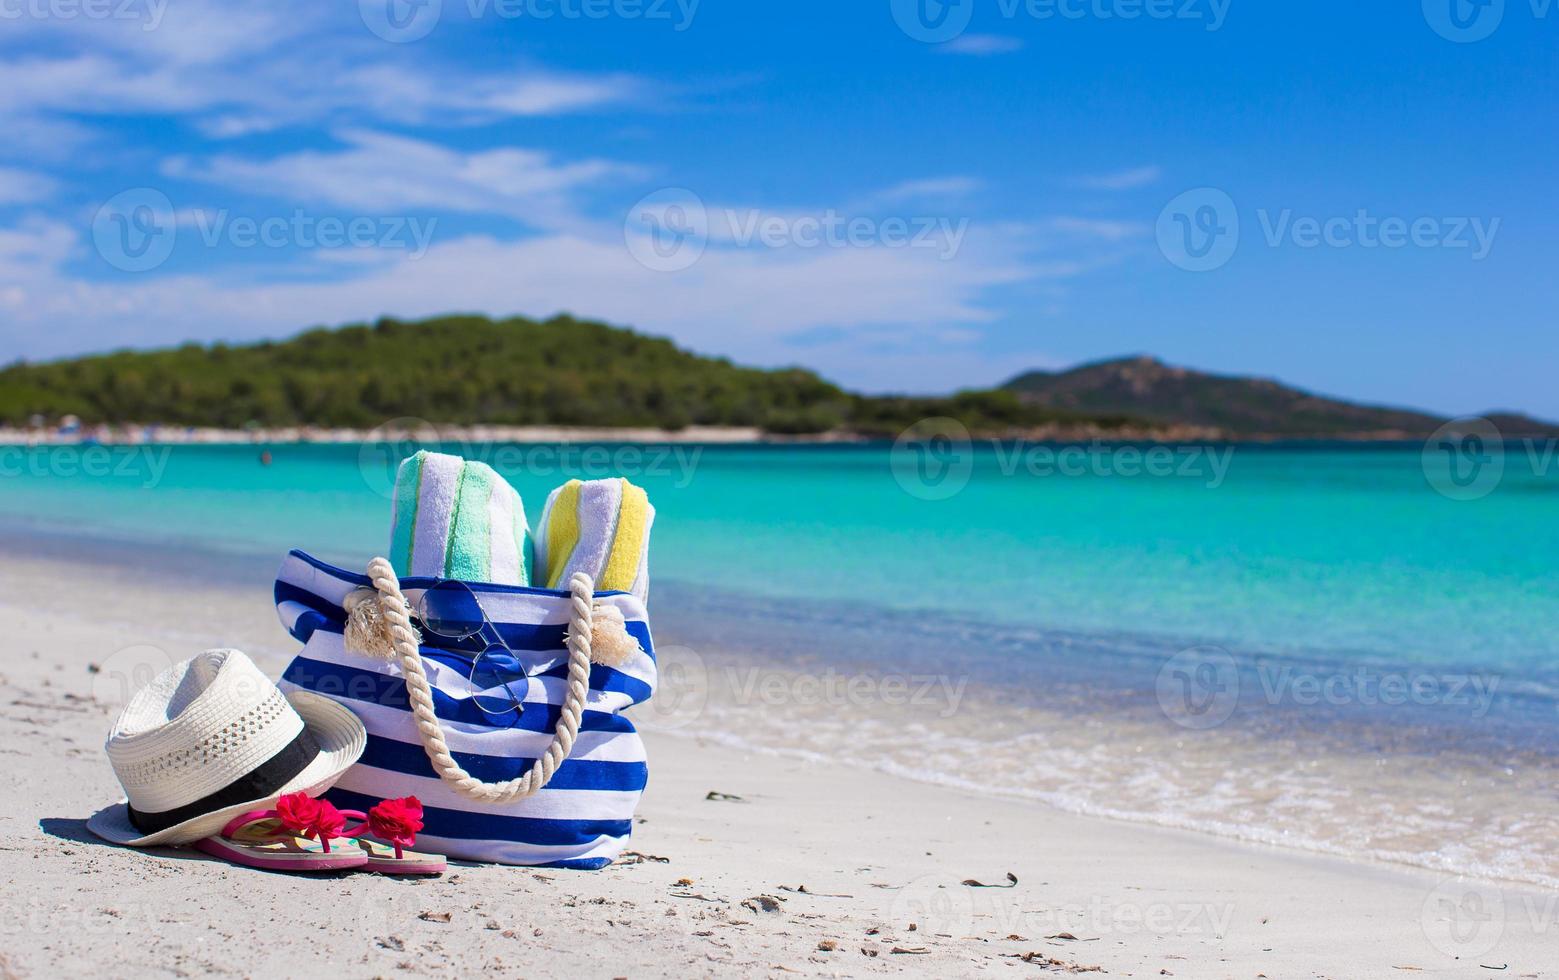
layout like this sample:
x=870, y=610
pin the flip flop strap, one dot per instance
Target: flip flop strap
x=393, y=605
x=242, y=820
x=358, y=830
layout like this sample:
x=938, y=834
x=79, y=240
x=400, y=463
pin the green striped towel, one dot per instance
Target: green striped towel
x=457, y=518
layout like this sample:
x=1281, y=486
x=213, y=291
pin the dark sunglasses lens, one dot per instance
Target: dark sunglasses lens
x=498, y=681
x=450, y=609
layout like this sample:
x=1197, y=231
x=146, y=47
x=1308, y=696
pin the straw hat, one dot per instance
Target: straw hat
x=212, y=738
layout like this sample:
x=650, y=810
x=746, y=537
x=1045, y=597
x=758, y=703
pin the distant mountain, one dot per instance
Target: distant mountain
x=473, y=370
x=1147, y=388
x=1519, y=424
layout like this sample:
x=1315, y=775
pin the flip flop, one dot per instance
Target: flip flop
x=259, y=840
x=383, y=860
x=397, y=822
x=294, y=836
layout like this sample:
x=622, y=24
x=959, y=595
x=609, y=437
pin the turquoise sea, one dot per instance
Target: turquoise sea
x=1392, y=623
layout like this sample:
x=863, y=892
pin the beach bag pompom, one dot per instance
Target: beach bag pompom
x=367, y=631
x=610, y=642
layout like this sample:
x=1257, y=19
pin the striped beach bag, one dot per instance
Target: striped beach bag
x=555, y=785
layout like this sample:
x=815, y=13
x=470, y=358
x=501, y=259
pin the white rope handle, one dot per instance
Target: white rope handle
x=393, y=604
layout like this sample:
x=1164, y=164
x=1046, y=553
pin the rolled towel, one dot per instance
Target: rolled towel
x=601, y=528
x=457, y=518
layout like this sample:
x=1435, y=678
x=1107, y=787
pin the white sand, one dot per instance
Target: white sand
x=881, y=860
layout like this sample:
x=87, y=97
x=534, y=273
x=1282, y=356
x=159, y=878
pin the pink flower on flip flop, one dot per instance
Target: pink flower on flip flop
x=397, y=821
x=302, y=814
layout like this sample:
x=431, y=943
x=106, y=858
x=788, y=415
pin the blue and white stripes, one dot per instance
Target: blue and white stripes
x=581, y=819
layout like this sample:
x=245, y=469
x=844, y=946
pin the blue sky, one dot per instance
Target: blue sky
x=901, y=194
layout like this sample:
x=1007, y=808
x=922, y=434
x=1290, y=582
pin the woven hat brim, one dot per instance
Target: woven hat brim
x=341, y=737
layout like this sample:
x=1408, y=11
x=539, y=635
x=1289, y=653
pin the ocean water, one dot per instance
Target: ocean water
x=1344, y=648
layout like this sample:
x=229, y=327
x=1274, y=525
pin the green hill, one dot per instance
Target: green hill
x=470, y=370
x=1147, y=388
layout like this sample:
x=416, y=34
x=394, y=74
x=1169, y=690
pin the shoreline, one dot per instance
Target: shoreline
x=848, y=859
x=1068, y=730
x=171, y=435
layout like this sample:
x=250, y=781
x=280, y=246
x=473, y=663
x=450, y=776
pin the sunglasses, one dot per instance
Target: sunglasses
x=452, y=611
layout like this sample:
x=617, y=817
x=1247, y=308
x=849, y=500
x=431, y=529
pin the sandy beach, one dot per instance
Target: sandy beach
x=742, y=863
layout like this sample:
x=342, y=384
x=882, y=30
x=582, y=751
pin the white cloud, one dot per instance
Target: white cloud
x=378, y=173
x=405, y=93
x=234, y=125
x=185, y=32
x=982, y=45
x=1120, y=180
x=241, y=70
x=34, y=250
x=288, y=88
x=37, y=138
x=749, y=303
x=552, y=95
x=930, y=187
x=24, y=186
x=94, y=84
